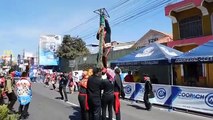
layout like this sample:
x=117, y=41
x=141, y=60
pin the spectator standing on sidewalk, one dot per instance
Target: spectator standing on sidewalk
x=24, y=93
x=62, y=87
x=118, y=91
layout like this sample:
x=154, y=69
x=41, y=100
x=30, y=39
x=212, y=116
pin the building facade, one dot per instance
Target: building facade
x=153, y=36
x=192, y=25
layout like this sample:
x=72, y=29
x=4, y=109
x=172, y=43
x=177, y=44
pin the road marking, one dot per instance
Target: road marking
x=73, y=104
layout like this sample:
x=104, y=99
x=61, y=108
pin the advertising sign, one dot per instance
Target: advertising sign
x=162, y=93
x=48, y=46
x=200, y=100
x=139, y=91
x=190, y=98
x=129, y=89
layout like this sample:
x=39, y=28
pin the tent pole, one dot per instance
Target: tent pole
x=171, y=74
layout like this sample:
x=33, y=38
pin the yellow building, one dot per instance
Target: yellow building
x=192, y=25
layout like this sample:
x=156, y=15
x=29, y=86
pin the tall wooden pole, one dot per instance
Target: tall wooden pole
x=101, y=39
x=103, y=13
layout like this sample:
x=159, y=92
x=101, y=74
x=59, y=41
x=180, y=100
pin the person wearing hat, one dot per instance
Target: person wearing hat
x=118, y=91
x=147, y=92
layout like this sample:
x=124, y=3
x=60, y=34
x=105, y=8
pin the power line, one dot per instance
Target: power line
x=142, y=12
x=120, y=7
x=81, y=24
x=94, y=17
x=134, y=14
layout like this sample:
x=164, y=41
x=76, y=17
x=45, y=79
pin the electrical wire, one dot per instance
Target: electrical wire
x=134, y=14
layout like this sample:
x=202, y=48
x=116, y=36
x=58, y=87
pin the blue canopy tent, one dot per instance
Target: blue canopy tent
x=148, y=57
x=154, y=53
x=202, y=54
x=193, y=61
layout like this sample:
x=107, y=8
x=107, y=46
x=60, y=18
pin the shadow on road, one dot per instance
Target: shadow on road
x=58, y=98
x=76, y=115
x=137, y=107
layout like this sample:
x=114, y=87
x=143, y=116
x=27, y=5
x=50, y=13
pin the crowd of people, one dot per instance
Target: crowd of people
x=98, y=89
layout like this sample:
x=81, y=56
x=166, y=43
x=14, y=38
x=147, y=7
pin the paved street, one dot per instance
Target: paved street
x=45, y=106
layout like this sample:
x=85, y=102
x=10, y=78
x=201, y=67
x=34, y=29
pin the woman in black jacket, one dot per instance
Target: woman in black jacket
x=148, y=92
x=108, y=95
x=118, y=91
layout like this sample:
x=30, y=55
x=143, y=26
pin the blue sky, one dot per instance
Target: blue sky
x=23, y=21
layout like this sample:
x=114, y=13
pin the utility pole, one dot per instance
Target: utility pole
x=103, y=13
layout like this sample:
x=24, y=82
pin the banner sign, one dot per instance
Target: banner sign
x=162, y=93
x=191, y=98
x=194, y=59
x=129, y=89
x=139, y=91
x=48, y=46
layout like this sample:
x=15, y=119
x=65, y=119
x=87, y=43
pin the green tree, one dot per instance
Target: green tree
x=72, y=47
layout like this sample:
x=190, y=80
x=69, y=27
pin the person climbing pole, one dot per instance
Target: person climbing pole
x=106, y=44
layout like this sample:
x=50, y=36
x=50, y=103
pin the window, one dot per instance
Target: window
x=190, y=27
x=152, y=40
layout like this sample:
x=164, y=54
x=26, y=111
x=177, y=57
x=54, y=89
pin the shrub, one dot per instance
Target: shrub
x=4, y=114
